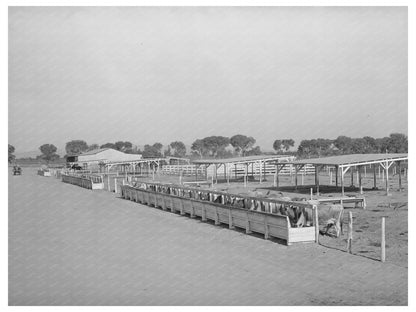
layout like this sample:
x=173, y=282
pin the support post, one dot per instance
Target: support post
x=352, y=176
x=342, y=182
x=360, y=180
x=215, y=172
x=349, y=246
x=260, y=172
x=296, y=177
x=375, y=177
x=400, y=175
x=316, y=223
x=317, y=179
x=387, y=178
x=336, y=176
x=383, y=239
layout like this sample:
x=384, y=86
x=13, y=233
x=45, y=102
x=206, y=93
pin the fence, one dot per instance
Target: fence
x=196, y=202
x=235, y=170
x=91, y=182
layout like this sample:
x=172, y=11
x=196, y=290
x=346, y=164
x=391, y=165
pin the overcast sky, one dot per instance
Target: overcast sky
x=162, y=74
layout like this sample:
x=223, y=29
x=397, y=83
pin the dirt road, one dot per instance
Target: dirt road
x=72, y=246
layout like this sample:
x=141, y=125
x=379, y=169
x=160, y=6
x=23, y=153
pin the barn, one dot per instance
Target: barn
x=90, y=160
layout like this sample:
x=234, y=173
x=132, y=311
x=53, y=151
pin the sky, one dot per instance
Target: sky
x=161, y=74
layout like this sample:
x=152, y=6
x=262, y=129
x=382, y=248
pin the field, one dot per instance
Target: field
x=72, y=246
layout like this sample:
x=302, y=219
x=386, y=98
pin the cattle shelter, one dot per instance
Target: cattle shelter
x=344, y=163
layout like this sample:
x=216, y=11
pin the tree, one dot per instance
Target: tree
x=343, y=144
x=108, y=145
x=76, y=147
x=48, y=152
x=283, y=145
x=178, y=147
x=123, y=146
x=11, y=151
x=198, y=148
x=254, y=151
x=215, y=144
x=93, y=147
x=154, y=150
x=397, y=143
x=242, y=143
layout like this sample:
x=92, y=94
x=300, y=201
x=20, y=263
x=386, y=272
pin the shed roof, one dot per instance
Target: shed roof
x=352, y=159
x=246, y=159
x=95, y=151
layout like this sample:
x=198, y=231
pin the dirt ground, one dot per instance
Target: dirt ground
x=366, y=223
x=72, y=246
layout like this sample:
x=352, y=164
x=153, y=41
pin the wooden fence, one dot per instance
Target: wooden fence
x=266, y=223
x=238, y=170
x=86, y=181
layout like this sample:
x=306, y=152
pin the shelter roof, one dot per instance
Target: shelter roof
x=246, y=159
x=352, y=159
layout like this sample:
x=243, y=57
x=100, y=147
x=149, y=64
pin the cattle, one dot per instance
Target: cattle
x=330, y=219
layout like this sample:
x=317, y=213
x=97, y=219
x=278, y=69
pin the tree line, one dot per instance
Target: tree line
x=237, y=145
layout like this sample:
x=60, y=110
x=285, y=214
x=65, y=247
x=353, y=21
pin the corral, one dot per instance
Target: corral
x=100, y=250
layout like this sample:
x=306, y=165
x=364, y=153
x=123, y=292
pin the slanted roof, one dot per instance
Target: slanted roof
x=234, y=160
x=352, y=159
x=96, y=151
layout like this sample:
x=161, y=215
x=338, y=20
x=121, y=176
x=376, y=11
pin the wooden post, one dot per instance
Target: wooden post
x=349, y=246
x=383, y=239
x=248, y=230
x=230, y=220
x=342, y=182
x=108, y=183
x=365, y=171
x=375, y=177
x=387, y=178
x=311, y=193
x=296, y=177
x=336, y=176
x=215, y=172
x=225, y=172
x=115, y=186
x=275, y=181
x=352, y=176
x=235, y=171
x=360, y=180
x=316, y=223
x=400, y=175
x=317, y=179
x=379, y=171
x=330, y=176
x=260, y=171
x=303, y=178
x=382, y=175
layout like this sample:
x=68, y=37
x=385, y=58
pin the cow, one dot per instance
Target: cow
x=330, y=217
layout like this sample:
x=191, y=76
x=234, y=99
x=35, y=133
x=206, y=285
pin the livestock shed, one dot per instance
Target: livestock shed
x=257, y=164
x=344, y=163
x=91, y=160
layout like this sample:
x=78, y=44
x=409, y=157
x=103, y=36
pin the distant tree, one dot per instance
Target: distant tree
x=123, y=146
x=254, y=151
x=371, y=144
x=48, y=152
x=283, y=145
x=11, y=151
x=215, y=144
x=93, y=147
x=242, y=143
x=154, y=150
x=383, y=144
x=76, y=147
x=108, y=145
x=397, y=143
x=343, y=144
x=179, y=148
x=359, y=146
x=316, y=147
x=198, y=148
x=167, y=152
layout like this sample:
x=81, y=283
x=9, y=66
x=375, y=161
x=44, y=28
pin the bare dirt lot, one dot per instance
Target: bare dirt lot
x=72, y=246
